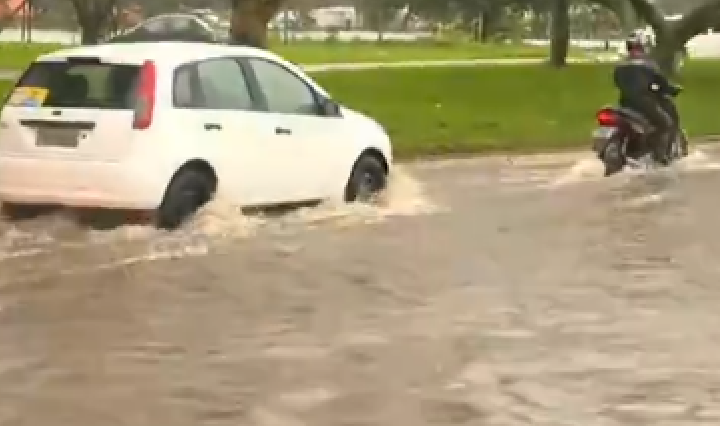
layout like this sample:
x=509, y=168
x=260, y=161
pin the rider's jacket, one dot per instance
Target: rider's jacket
x=640, y=76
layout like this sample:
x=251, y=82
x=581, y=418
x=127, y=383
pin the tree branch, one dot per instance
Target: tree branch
x=650, y=13
x=697, y=21
x=81, y=10
x=105, y=12
x=270, y=7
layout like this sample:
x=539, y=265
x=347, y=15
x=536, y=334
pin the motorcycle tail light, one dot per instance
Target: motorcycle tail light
x=606, y=117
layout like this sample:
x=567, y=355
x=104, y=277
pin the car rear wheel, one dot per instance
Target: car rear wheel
x=189, y=190
x=367, y=179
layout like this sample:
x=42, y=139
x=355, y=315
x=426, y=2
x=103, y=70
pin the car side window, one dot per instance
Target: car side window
x=283, y=90
x=223, y=85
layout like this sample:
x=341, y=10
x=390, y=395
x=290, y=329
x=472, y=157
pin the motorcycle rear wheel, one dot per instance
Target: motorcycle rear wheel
x=613, y=156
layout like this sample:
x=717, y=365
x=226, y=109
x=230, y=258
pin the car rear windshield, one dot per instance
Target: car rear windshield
x=81, y=83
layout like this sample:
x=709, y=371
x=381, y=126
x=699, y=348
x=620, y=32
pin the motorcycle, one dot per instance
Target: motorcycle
x=622, y=139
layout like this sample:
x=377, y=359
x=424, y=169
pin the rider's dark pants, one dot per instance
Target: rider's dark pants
x=661, y=115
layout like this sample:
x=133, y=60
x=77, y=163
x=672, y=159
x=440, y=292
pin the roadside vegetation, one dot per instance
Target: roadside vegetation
x=529, y=108
x=457, y=110
x=303, y=52
x=16, y=56
x=483, y=21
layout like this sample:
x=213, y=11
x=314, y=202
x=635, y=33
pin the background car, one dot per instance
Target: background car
x=167, y=126
x=179, y=27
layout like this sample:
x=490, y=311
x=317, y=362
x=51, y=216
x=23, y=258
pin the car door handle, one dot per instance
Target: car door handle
x=210, y=127
x=281, y=130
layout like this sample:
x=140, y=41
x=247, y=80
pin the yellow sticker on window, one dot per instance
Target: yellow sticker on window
x=28, y=96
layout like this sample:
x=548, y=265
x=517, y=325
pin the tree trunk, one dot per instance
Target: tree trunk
x=560, y=33
x=91, y=32
x=490, y=18
x=665, y=53
x=405, y=23
x=93, y=17
x=380, y=22
x=374, y=12
x=627, y=16
x=249, y=21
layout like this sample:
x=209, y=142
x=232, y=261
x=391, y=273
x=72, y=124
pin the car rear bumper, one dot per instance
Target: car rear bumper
x=77, y=183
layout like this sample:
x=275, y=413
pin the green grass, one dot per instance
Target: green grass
x=504, y=109
x=5, y=87
x=358, y=52
x=454, y=110
x=18, y=55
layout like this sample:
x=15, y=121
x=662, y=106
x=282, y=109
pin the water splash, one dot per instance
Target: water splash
x=404, y=196
x=698, y=160
x=581, y=171
x=45, y=248
x=591, y=169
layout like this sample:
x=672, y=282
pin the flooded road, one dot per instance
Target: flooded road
x=481, y=292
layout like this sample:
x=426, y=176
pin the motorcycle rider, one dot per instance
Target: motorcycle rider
x=644, y=88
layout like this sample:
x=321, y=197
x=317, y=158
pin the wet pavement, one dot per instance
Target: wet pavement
x=480, y=292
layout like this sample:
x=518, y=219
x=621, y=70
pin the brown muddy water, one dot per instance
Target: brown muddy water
x=494, y=291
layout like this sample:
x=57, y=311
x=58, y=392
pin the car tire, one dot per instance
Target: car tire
x=188, y=191
x=19, y=212
x=368, y=178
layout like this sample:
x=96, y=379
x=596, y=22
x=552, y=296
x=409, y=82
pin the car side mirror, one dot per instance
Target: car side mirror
x=329, y=107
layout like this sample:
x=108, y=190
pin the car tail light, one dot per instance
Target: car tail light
x=145, y=104
x=606, y=117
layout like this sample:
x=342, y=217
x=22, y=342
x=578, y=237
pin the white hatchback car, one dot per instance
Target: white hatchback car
x=167, y=126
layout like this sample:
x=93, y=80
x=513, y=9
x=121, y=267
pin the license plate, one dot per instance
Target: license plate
x=604, y=132
x=57, y=137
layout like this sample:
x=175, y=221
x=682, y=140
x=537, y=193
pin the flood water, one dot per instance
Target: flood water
x=494, y=291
